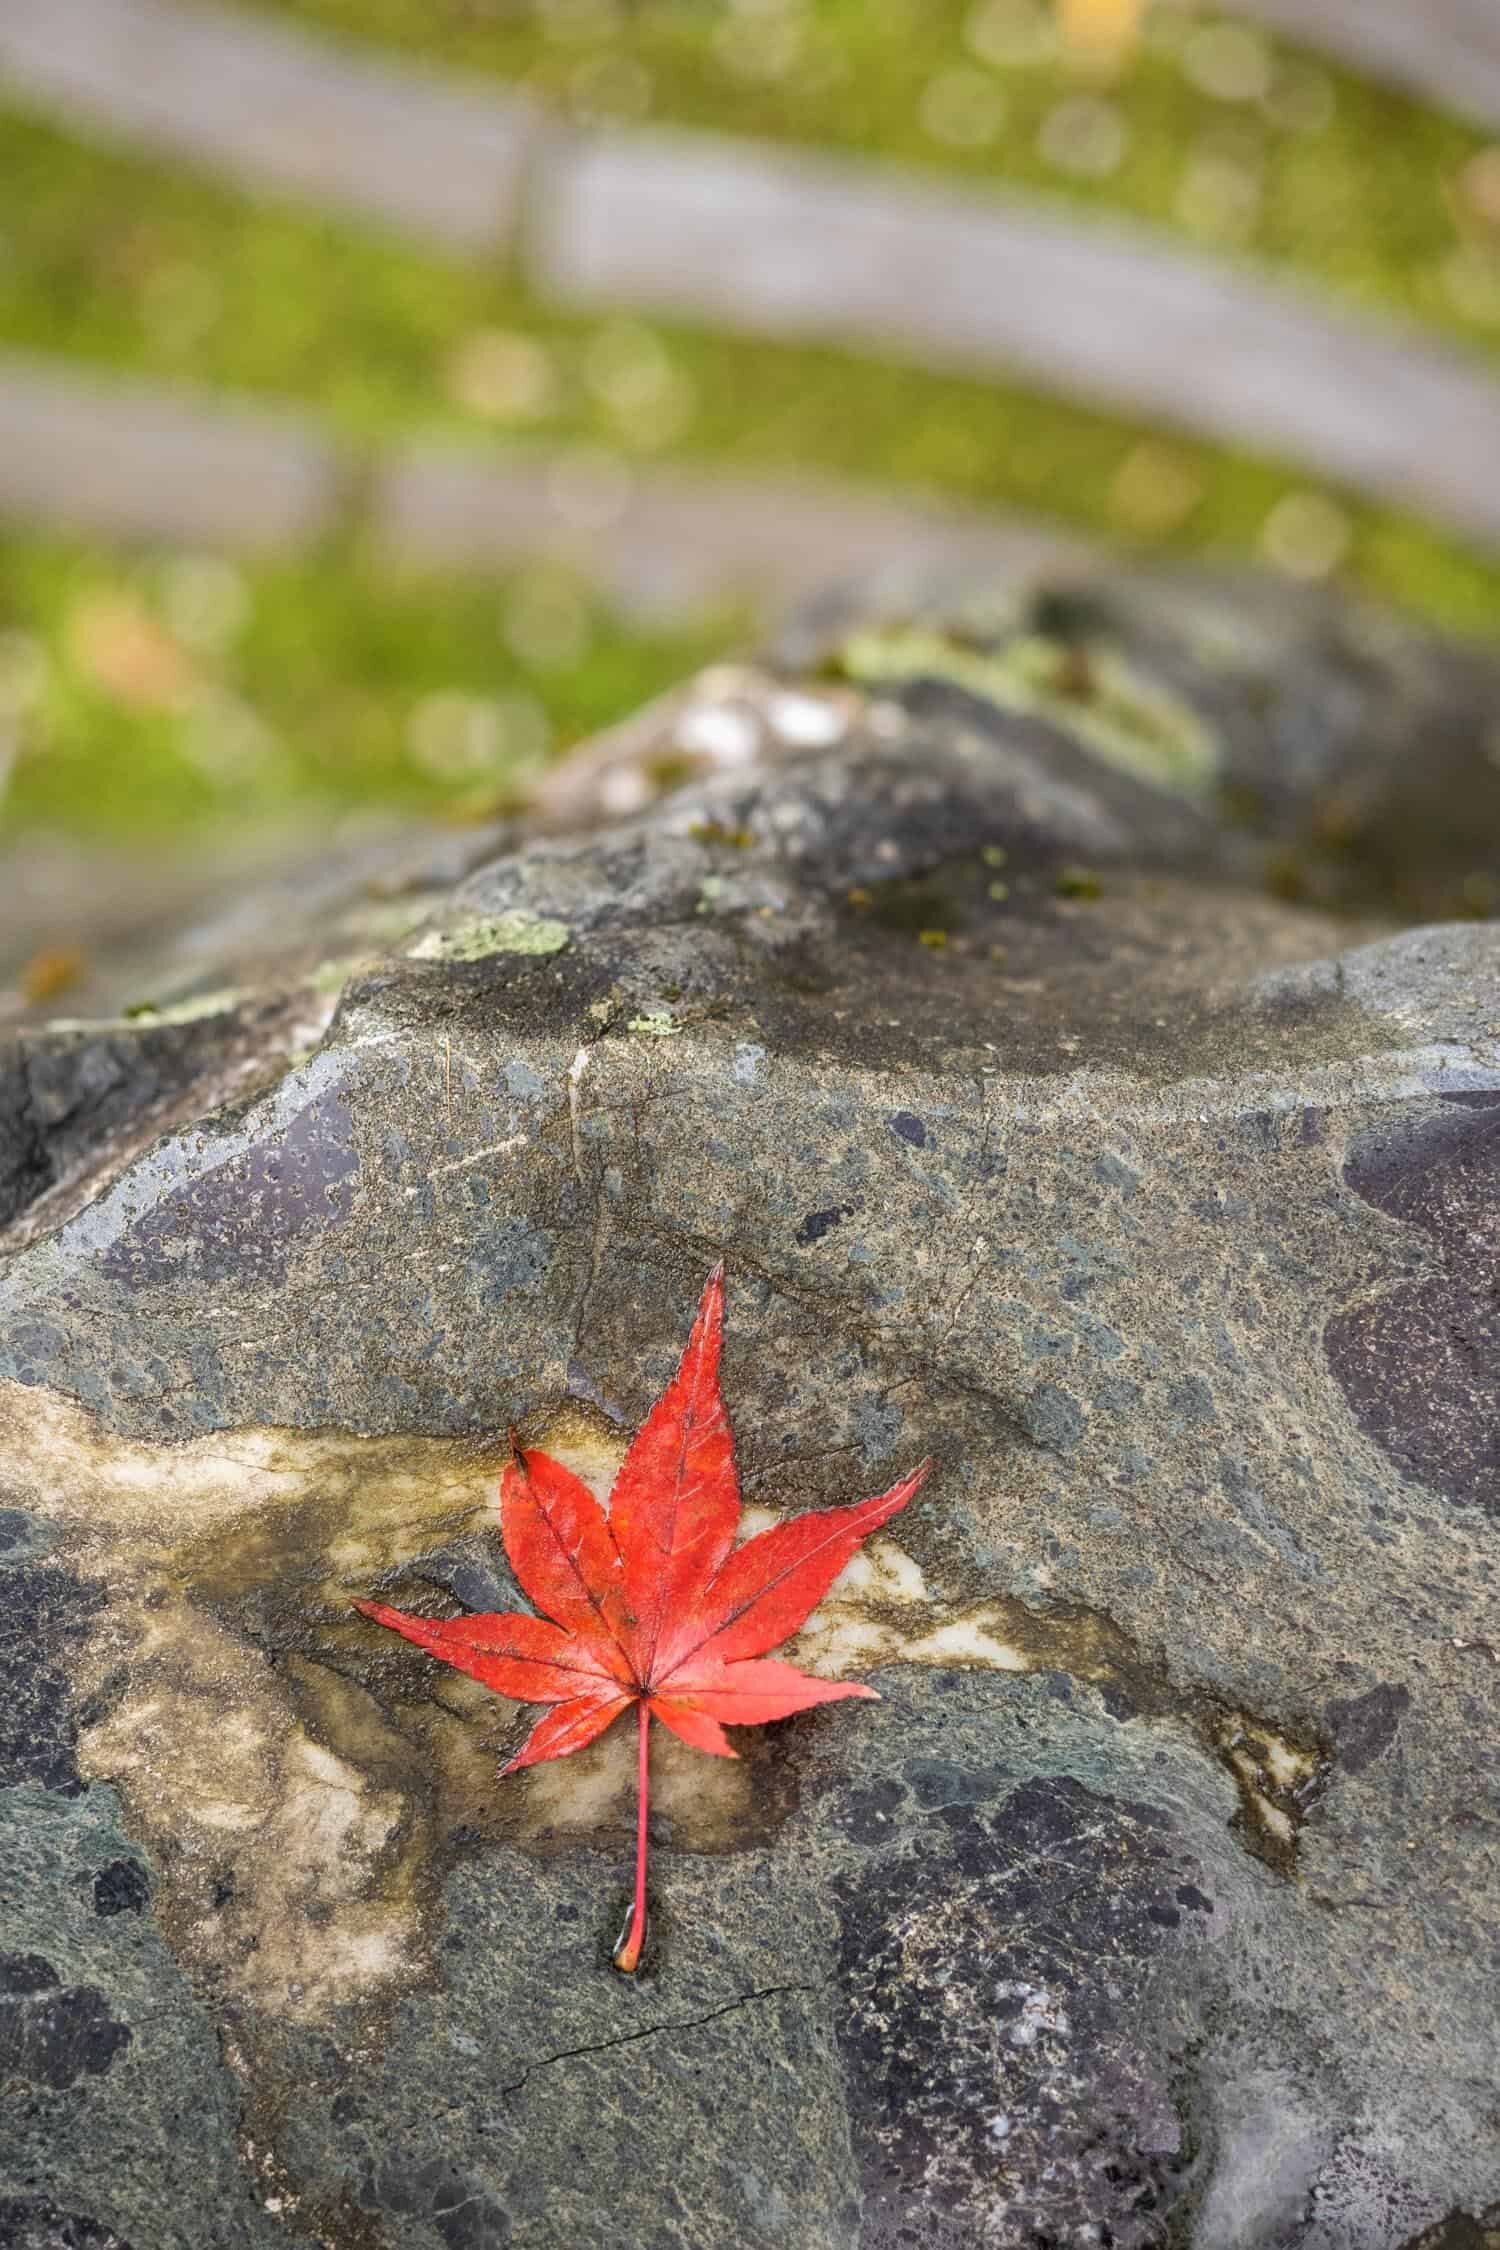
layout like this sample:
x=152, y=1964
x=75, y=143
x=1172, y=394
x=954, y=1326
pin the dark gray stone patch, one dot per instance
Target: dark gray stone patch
x=1363, y=1727
x=508, y=1255
x=1419, y=1361
x=21, y=1534
x=473, y=1570
x=68, y=1091
x=51, y=2034
x=35, y=2222
x=44, y=1613
x=1006, y=2085
x=459, y=2210
x=817, y=1224
x=238, y=1221
x=1053, y=1418
x=123, y=1887
x=120, y=2116
x=76, y=1098
x=25, y=1172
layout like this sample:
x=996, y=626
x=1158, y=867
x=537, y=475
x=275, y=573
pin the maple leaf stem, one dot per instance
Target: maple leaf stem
x=628, y=1951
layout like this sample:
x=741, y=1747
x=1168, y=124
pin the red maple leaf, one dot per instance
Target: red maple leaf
x=652, y=1603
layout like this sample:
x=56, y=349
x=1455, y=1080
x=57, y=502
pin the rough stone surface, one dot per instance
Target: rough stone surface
x=1026, y=1011
x=1421, y=1363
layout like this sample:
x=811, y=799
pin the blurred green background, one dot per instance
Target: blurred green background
x=164, y=697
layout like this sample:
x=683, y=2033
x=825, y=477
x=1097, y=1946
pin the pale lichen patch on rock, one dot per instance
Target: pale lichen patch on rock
x=1092, y=691
x=592, y=1448
x=1279, y=1780
x=288, y=1815
x=709, y=1804
x=483, y=935
x=966, y=1641
x=271, y=1846
x=301, y=1775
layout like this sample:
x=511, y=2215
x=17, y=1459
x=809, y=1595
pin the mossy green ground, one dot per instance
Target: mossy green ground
x=141, y=693
x=150, y=692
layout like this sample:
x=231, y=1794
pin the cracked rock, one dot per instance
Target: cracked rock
x=1077, y=1059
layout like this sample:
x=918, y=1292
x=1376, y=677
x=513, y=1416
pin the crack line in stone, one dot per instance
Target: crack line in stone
x=496, y=1148
x=651, y=2031
x=942, y=1378
x=599, y=1236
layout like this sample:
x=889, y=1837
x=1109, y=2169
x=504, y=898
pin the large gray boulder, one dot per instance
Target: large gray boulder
x=1056, y=1014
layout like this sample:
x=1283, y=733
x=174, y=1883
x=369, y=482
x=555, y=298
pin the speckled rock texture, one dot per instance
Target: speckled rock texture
x=1073, y=1021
